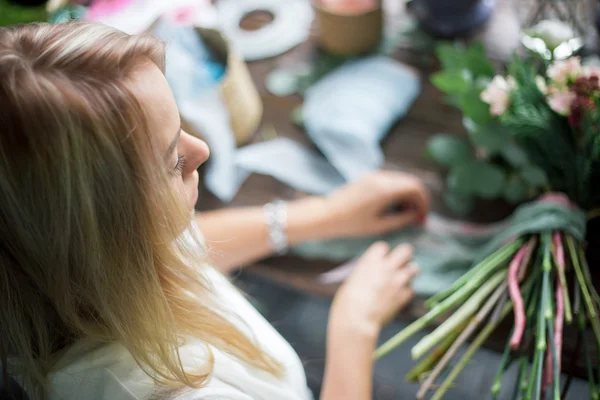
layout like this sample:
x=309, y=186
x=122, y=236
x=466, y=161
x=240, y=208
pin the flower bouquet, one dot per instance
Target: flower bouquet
x=535, y=270
x=488, y=163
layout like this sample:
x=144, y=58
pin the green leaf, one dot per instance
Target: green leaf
x=490, y=180
x=460, y=205
x=451, y=56
x=469, y=125
x=492, y=138
x=282, y=82
x=477, y=62
x=514, y=155
x=448, y=150
x=297, y=116
x=474, y=108
x=534, y=175
x=515, y=190
x=12, y=13
x=461, y=179
x=481, y=83
x=451, y=81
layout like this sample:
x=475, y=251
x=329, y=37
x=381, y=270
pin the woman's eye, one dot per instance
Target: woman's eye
x=180, y=165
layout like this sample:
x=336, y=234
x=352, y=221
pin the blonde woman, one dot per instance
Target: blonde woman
x=106, y=292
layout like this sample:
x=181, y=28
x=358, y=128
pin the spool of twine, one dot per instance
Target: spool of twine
x=349, y=34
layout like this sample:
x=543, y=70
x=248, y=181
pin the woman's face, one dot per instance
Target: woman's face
x=183, y=153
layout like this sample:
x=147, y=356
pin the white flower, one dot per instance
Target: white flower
x=552, y=32
x=497, y=94
x=541, y=84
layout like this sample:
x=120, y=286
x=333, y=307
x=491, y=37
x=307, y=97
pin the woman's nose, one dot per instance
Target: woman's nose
x=195, y=150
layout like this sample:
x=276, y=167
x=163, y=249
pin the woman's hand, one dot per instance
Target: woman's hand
x=378, y=203
x=377, y=289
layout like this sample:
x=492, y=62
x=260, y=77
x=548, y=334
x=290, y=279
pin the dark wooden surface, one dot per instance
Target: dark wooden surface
x=403, y=147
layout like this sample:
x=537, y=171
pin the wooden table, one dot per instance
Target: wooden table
x=403, y=147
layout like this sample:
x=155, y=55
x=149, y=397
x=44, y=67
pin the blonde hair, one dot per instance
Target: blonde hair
x=88, y=219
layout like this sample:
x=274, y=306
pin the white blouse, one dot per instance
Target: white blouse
x=109, y=372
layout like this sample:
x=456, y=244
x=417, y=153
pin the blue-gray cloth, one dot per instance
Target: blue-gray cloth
x=444, y=252
x=349, y=111
x=371, y=94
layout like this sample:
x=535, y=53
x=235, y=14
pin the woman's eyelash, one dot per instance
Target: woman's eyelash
x=180, y=165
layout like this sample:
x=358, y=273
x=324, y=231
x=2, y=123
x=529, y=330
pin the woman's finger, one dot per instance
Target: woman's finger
x=376, y=251
x=406, y=189
x=400, y=255
x=392, y=222
x=406, y=275
x=417, y=197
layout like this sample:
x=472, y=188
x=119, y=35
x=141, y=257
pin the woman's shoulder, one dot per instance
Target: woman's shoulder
x=109, y=372
x=99, y=371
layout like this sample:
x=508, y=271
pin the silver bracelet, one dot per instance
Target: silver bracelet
x=276, y=220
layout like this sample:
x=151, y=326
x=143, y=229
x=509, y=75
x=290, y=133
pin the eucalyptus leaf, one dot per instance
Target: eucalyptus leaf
x=474, y=108
x=493, y=138
x=460, y=205
x=514, y=155
x=489, y=179
x=451, y=81
x=534, y=175
x=482, y=82
x=477, y=62
x=451, y=56
x=516, y=190
x=448, y=150
x=469, y=125
x=461, y=179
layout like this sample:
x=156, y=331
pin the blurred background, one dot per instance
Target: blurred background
x=297, y=97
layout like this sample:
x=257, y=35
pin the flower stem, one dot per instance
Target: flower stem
x=532, y=376
x=542, y=309
x=588, y=277
x=555, y=364
x=549, y=363
x=488, y=265
x=459, y=296
x=432, y=359
x=559, y=260
x=462, y=314
x=521, y=385
x=501, y=368
x=584, y=288
x=515, y=269
x=535, y=381
x=464, y=335
x=586, y=355
x=476, y=344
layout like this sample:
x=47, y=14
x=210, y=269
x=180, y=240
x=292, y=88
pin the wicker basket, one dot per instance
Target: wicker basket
x=237, y=88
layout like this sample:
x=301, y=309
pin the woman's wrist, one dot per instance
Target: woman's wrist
x=307, y=220
x=345, y=324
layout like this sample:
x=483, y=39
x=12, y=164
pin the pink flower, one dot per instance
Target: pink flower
x=497, y=94
x=350, y=6
x=561, y=102
x=591, y=71
x=562, y=71
x=182, y=16
x=103, y=8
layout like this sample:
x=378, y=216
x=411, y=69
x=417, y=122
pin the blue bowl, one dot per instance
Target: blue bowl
x=452, y=18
